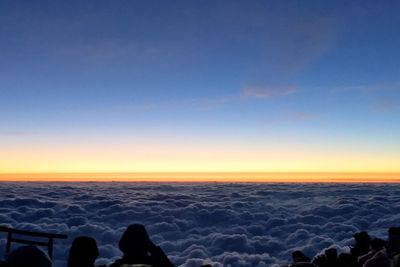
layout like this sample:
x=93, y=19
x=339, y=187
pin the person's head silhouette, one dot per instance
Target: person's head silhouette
x=83, y=252
x=135, y=241
x=138, y=249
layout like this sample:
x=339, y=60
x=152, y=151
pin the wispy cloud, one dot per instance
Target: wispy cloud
x=267, y=92
x=303, y=116
x=386, y=104
x=243, y=96
x=248, y=93
x=367, y=88
x=381, y=97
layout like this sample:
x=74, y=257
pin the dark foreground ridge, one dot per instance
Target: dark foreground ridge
x=139, y=251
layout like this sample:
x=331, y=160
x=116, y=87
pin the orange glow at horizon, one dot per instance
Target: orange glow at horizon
x=173, y=161
x=176, y=158
x=206, y=177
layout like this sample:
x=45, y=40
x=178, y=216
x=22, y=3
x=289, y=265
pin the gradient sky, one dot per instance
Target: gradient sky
x=148, y=86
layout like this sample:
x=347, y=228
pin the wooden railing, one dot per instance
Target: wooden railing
x=11, y=233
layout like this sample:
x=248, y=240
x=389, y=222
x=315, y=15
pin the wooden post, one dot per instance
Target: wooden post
x=51, y=247
x=9, y=238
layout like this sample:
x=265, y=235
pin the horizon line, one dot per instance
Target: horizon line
x=192, y=177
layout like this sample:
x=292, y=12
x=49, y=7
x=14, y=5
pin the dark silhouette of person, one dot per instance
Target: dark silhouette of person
x=28, y=256
x=137, y=248
x=377, y=245
x=301, y=260
x=298, y=256
x=346, y=260
x=393, y=246
x=83, y=252
x=331, y=257
x=328, y=259
x=303, y=264
x=362, y=244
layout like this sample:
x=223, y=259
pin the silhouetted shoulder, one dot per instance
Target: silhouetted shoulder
x=28, y=256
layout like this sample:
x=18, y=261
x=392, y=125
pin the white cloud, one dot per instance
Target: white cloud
x=237, y=224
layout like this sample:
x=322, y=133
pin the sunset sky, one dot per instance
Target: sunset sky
x=199, y=86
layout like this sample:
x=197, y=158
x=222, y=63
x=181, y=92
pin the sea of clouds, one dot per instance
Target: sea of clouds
x=251, y=225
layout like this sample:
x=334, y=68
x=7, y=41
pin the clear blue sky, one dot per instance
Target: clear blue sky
x=319, y=78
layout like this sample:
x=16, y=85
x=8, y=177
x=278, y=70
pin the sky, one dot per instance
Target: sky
x=199, y=86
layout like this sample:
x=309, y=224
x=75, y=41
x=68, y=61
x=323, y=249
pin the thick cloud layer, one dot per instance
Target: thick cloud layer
x=224, y=224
